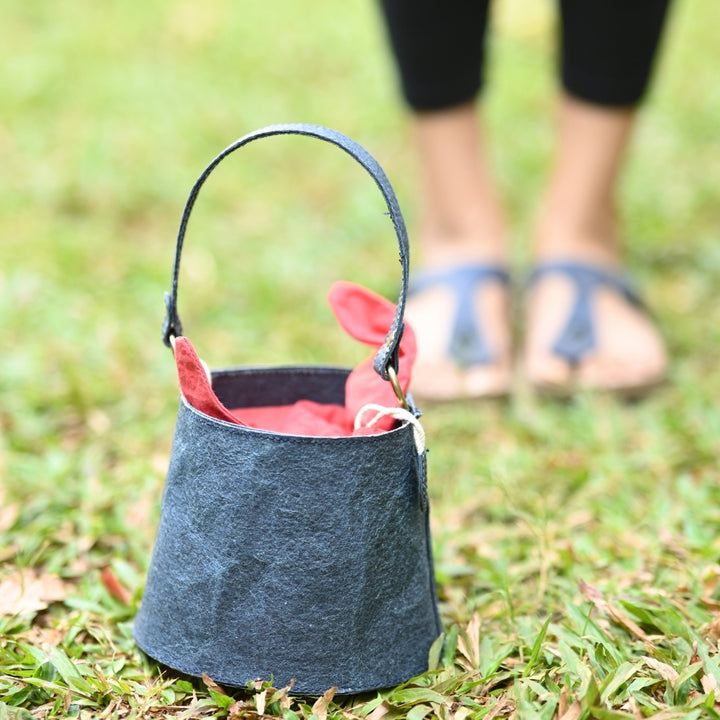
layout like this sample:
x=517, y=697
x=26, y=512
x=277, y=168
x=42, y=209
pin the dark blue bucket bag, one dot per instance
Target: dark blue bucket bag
x=304, y=560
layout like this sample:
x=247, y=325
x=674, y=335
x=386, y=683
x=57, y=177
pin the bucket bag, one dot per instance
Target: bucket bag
x=290, y=548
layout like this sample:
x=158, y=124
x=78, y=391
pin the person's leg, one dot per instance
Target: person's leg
x=608, y=49
x=579, y=223
x=462, y=225
x=439, y=50
x=462, y=219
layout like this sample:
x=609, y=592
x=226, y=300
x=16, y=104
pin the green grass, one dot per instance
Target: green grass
x=577, y=546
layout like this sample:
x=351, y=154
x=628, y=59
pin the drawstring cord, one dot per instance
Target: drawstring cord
x=395, y=412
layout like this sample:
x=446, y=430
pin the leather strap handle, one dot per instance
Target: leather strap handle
x=387, y=355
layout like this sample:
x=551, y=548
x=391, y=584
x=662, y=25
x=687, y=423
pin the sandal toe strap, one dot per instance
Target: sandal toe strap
x=578, y=336
x=468, y=345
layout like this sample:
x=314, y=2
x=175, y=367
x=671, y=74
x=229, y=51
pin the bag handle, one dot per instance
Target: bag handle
x=386, y=359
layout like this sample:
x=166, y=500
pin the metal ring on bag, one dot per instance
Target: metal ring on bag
x=399, y=394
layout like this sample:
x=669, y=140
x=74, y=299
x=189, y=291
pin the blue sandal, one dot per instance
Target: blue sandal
x=468, y=346
x=578, y=338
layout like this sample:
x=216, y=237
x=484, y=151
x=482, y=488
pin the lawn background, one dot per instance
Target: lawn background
x=577, y=546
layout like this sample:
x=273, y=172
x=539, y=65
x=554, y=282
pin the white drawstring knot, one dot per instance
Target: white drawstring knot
x=395, y=412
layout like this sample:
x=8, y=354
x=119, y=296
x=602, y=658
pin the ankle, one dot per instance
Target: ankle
x=593, y=239
x=443, y=251
x=576, y=247
x=475, y=239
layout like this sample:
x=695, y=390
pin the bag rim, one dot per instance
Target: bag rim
x=291, y=437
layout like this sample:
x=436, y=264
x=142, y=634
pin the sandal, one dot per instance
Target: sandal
x=578, y=339
x=463, y=364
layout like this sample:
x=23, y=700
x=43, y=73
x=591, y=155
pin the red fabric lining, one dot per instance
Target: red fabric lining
x=365, y=316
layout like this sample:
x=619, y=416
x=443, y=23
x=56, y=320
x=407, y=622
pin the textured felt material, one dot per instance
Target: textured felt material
x=292, y=557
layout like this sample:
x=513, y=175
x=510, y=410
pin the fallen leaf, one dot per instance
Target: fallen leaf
x=379, y=712
x=500, y=706
x=260, y=700
x=713, y=629
x=563, y=701
x=710, y=603
x=50, y=636
x=27, y=591
x=667, y=672
x=709, y=684
x=711, y=580
x=210, y=684
x=635, y=709
x=694, y=657
x=320, y=707
x=282, y=696
x=469, y=642
x=596, y=598
x=239, y=709
x=589, y=592
x=573, y=712
x=114, y=586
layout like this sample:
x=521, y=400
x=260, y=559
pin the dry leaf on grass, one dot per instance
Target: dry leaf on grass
x=260, y=701
x=567, y=710
x=282, y=696
x=573, y=712
x=210, y=684
x=710, y=580
x=635, y=709
x=712, y=630
x=239, y=709
x=615, y=614
x=469, y=642
x=563, y=702
x=27, y=591
x=320, y=708
x=114, y=586
x=503, y=705
x=379, y=712
x=667, y=672
x=709, y=684
x=50, y=636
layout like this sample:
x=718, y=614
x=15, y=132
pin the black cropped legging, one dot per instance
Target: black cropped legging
x=607, y=48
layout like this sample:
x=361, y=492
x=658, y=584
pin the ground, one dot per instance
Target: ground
x=576, y=544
